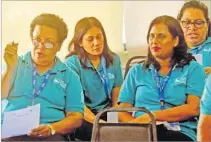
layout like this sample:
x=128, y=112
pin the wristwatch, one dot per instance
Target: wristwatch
x=53, y=131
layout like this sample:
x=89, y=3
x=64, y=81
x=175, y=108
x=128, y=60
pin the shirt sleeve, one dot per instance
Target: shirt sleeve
x=127, y=92
x=118, y=72
x=195, y=80
x=74, y=94
x=205, y=105
x=73, y=63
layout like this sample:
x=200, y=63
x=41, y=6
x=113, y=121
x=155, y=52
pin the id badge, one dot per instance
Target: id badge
x=174, y=126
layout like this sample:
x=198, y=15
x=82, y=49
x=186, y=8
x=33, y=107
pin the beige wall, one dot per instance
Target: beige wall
x=17, y=16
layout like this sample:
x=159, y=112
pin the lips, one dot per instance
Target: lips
x=193, y=35
x=40, y=55
x=156, y=48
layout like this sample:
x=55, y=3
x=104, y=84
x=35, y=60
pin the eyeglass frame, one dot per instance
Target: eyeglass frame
x=193, y=23
x=38, y=40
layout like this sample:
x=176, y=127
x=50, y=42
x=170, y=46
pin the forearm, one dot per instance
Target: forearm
x=115, y=95
x=125, y=117
x=204, y=128
x=6, y=82
x=69, y=123
x=179, y=113
x=89, y=115
x=204, y=134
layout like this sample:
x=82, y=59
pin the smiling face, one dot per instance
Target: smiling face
x=93, y=42
x=195, y=26
x=161, y=42
x=42, y=38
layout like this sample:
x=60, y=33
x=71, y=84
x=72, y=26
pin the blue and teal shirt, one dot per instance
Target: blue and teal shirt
x=140, y=90
x=205, y=107
x=62, y=93
x=95, y=95
x=205, y=50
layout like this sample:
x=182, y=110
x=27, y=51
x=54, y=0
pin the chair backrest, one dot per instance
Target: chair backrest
x=133, y=60
x=124, y=131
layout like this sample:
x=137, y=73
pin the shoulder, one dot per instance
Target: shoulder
x=72, y=59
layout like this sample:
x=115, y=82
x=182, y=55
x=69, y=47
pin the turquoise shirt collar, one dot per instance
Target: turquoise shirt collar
x=58, y=67
x=89, y=65
x=201, y=45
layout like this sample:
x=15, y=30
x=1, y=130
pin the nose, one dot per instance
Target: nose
x=41, y=45
x=96, y=41
x=192, y=27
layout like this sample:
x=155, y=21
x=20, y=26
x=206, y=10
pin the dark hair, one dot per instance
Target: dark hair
x=197, y=5
x=81, y=28
x=53, y=21
x=180, y=55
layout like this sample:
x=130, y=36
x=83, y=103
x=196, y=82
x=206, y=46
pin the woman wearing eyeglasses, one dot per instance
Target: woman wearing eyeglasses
x=39, y=77
x=195, y=23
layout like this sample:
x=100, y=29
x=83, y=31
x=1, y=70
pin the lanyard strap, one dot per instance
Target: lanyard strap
x=35, y=92
x=104, y=78
x=161, y=86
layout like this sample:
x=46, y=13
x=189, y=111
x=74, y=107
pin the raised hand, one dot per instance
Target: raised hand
x=10, y=55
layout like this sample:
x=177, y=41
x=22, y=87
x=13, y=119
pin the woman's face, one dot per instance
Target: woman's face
x=161, y=42
x=45, y=45
x=195, y=26
x=93, y=42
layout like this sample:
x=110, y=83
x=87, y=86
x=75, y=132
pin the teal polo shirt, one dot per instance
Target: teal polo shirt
x=206, y=98
x=140, y=90
x=95, y=94
x=205, y=50
x=62, y=93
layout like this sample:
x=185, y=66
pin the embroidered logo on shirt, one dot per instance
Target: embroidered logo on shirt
x=208, y=50
x=60, y=82
x=181, y=80
x=110, y=76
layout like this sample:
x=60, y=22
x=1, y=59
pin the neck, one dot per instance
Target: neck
x=165, y=65
x=44, y=68
x=95, y=60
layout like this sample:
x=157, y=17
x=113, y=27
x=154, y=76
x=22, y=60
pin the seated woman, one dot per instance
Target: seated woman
x=195, y=23
x=169, y=83
x=99, y=70
x=204, y=126
x=39, y=77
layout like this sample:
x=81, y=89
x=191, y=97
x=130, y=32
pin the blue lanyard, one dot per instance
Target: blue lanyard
x=42, y=86
x=161, y=86
x=104, y=78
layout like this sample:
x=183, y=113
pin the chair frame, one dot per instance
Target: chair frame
x=113, y=109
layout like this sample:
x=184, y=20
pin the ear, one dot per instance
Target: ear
x=176, y=41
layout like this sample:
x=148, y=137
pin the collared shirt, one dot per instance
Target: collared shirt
x=63, y=92
x=206, y=98
x=140, y=89
x=205, y=50
x=95, y=94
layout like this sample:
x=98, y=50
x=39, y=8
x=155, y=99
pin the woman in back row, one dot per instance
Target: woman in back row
x=169, y=83
x=195, y=23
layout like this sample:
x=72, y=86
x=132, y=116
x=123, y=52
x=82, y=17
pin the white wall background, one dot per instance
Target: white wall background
x=17, y=16
x=139, y=14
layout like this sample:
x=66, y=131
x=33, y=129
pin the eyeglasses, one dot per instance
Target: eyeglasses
x=197, y=24
x=47, y=44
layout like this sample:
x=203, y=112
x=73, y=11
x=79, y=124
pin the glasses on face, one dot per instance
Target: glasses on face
x=197, y=24
x=47, y=44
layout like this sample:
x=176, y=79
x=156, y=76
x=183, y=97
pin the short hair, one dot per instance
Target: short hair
x=197, y=5
x=180, y=55
x=52, y=21
x=82, y=26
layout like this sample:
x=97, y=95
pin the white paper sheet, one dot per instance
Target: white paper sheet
x=199, y=58
x=20, y=122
